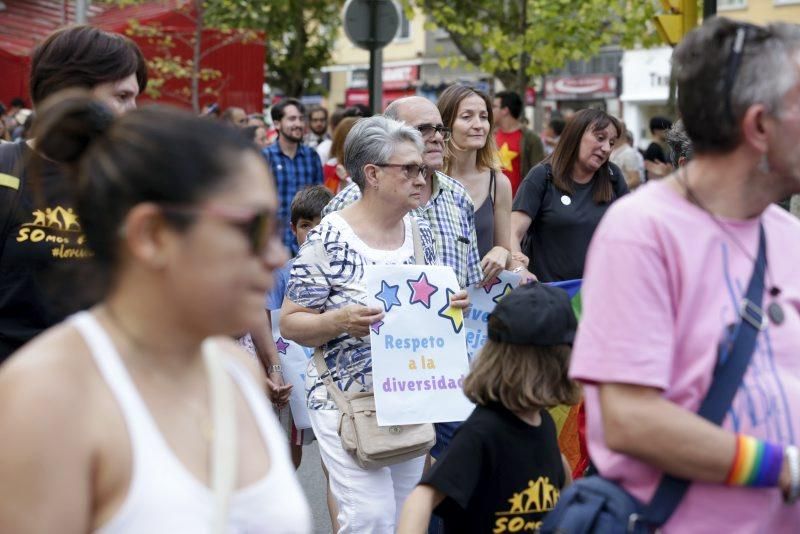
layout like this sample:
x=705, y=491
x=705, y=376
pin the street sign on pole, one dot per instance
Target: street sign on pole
x=372, y=24
x=81, y=7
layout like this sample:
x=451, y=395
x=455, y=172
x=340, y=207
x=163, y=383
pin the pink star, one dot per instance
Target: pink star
x=376, y=327
x=281, y=346
x=421, y=290
x=493, y=282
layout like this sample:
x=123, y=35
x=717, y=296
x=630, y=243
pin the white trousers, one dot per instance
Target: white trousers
x=369, y=500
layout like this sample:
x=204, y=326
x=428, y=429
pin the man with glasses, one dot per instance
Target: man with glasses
x=294, y=165
x=678, y=273
x=317, y=127
x=445, y=203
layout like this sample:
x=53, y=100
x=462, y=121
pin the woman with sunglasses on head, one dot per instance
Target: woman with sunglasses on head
x=324, y=306
x=471, y=158
x=112, y=418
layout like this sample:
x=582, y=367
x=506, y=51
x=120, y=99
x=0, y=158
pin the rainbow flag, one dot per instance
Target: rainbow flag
x=570, y=420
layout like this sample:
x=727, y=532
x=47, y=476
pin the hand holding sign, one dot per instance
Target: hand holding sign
x=356, y=319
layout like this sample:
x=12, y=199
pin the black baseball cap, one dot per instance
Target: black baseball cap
x=534, y=314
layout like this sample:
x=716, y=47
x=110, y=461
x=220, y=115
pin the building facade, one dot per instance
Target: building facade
x=760, y=11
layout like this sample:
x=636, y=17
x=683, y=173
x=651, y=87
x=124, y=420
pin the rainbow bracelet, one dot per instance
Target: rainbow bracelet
x=756, y=464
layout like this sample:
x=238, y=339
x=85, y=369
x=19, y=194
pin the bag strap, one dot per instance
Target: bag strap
x=419, y=254
x=224, y=447
x=728, y=375
x=333, y=389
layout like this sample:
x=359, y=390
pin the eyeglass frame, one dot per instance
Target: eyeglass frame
x=259, y=225
x=735, y=60
x=441, y=129
x=423, y=169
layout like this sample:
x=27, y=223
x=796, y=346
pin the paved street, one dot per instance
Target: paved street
x=313, y=482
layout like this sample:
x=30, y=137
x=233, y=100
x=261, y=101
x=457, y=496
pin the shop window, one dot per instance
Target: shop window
x=404, y=29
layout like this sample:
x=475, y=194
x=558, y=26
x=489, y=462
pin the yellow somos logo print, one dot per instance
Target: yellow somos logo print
x=539, y=497
x=58, y=226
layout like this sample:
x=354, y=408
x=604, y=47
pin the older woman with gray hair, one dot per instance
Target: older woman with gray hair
x=680, y=145
x=325, y=306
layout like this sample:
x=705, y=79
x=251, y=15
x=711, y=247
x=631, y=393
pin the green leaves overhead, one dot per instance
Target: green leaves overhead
x=517, y=40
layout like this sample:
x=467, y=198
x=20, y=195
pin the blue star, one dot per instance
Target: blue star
x=388, y=295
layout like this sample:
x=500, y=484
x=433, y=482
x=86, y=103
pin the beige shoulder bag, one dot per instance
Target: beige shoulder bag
x=374, y=446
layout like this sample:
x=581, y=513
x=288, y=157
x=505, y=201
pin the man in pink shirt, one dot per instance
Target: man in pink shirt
x=665, y=276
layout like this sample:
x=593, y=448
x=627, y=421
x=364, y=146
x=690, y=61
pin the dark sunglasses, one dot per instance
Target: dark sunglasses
x=258, y=226
x=743, y=31
x=428, y=130
x=411, y=170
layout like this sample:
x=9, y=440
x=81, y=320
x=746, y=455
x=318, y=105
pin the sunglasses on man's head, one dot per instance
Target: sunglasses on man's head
x=258, y=225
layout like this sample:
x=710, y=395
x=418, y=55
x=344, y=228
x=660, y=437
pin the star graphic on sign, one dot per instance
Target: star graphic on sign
x=507, y=157
x=281, y=345
x=376, y=327
x=506, y=291
x=421, y=290
x=493, y=282
x=388, y=296
x=455, y=315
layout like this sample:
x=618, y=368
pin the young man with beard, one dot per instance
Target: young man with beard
x=317, y=127
x=294, y=165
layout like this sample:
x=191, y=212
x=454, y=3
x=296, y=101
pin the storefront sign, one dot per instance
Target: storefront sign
x=583, y=87
x=645, y=75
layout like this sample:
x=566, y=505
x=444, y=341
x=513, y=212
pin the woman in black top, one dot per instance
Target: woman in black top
x=561, y=201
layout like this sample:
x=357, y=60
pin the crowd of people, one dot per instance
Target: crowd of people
x=146, y=252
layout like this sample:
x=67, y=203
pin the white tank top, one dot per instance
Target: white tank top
x=164, y=497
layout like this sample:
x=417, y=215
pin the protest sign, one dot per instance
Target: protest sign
x=419, y=358
x=482, y=301
x=294, y=361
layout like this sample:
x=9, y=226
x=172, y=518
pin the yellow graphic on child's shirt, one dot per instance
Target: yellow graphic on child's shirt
x=507, y=157
x=59, y=226
x=539, y=497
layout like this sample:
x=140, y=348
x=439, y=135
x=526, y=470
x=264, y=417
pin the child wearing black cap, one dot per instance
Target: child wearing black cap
x=503, y=471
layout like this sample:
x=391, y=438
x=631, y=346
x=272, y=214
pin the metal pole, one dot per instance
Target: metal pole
x=709, y=8
x=375, y=62
x=81, y=8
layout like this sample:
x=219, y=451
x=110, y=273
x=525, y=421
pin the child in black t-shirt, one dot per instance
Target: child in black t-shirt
x=503, y=471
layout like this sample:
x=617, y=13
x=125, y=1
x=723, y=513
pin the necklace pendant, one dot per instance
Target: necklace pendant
x=775, y=313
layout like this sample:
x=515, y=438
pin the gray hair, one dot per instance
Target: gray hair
x=373, y=140
x=704, y=62
x=679, y=143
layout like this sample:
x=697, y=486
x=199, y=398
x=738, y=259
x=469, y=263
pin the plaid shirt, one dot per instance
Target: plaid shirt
x=451, y=215
x=292, y=175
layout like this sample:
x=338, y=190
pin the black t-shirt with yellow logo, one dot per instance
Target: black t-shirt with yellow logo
x=499, y=473
x=40, y=239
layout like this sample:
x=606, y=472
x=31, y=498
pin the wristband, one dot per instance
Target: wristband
x=756, y=464
x=517, y=269
x=274, y=369
x=793, y=459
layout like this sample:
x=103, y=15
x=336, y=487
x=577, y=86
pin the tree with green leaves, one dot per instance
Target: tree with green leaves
x=517, y=40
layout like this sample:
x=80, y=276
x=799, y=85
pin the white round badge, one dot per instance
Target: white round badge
x=566, y=200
